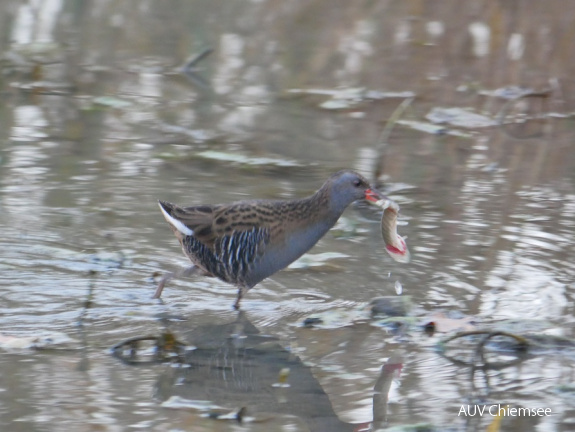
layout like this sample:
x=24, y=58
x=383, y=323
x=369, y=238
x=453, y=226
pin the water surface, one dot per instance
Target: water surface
x=98, y=122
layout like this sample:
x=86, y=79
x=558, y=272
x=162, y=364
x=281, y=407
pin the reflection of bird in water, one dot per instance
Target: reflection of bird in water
x=247, y=241
x=234, y=366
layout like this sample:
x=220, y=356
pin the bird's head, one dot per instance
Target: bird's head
x=349, y=186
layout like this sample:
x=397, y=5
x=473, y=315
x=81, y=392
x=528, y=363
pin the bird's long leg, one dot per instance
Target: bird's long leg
x=186, y=272
x=241, y=292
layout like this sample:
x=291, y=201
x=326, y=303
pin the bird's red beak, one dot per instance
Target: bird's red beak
x=373, y=195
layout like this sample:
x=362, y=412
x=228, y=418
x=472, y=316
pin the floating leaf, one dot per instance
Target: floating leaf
x=509, y=92
x=112, y=102
x=459, y=117
x=378, y=95
x=346, y=98
x=336, y=104
x=42, y=340
x=245, y=160
x=177, y=402
x=431, y=128
x=390, y=306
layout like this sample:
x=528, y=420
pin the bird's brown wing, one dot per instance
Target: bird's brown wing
x=245, y=216
x=226, y=240
x=211, y=223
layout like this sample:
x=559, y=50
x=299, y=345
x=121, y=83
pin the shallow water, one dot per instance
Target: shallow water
x=98, y=122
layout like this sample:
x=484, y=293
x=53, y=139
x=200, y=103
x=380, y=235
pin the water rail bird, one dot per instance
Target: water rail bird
x=244, y=242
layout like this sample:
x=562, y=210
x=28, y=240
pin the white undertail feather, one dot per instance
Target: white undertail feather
x=176, y=223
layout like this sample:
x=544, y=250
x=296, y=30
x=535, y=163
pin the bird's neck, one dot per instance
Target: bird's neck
x=316, y=215
x=324, y=207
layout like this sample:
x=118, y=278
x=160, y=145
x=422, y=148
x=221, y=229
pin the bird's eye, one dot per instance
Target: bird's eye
x=357, y=182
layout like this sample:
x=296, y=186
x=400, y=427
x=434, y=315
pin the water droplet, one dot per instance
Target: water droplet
x=398, y=288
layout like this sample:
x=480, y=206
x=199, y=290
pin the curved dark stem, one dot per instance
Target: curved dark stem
x=189, y=69
x=193, y=60
x=84, y=363
x=520, y=339
x=542, y=95
x=523, y=345
x=479, y=361
x=383, y=139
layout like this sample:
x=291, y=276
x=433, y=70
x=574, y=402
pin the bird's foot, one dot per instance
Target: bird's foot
x=165, y=279
x=241, y=292
x=186, y=272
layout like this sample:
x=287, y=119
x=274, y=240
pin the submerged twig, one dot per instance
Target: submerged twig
x=542, y=95
x=479, y=362
x=383, y=139
x=189, y=69
x=193, y=60
x=523, y=345
x=522, y=340
x=84, y=363
x=89, y=298
x=165, y=347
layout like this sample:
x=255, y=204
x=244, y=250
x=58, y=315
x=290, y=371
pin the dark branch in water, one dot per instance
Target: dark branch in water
x=190, y=71
x=382, y=142
x=479, y=362
x=192, y=61
x=517, y=122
